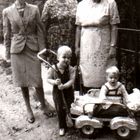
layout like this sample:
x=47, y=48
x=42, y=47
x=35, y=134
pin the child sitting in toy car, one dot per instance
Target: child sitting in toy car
x=112, y=91
x=112, y=98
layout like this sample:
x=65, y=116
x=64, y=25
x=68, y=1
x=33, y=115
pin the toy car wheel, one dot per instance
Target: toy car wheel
x=123, y=133
x=88, y=130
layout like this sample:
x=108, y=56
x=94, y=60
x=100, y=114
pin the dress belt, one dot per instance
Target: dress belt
x=96, y=26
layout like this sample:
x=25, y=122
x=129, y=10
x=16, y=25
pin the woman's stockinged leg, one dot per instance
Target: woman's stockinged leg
x=30, y=115
x=44, y=107
x=40, y=95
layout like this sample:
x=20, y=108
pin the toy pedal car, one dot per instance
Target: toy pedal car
x=117, y=117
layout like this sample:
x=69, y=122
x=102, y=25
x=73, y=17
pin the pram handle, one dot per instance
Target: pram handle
x=42, y=59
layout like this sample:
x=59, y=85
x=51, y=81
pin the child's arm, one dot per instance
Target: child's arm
x=72, y=78
x=103, y=91
x=50, y=78
x=54, y=82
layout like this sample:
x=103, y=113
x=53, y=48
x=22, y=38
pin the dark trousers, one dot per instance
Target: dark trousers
x=60, y=106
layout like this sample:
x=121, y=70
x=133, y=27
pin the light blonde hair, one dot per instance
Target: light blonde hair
x=113, y=70
x=64, y=49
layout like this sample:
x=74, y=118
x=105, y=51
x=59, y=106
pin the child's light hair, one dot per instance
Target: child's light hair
x=64, y=49
x=113, y=70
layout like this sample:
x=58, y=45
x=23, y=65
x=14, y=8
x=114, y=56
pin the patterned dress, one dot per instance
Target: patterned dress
x=59, y=19
x=95, y=20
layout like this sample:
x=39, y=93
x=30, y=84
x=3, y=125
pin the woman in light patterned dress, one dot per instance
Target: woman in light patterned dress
x=96, y=37
x=58, y=17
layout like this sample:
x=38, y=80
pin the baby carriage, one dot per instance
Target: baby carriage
x=90, y=114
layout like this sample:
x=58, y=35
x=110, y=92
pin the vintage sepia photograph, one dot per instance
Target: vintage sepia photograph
x=69, y=70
